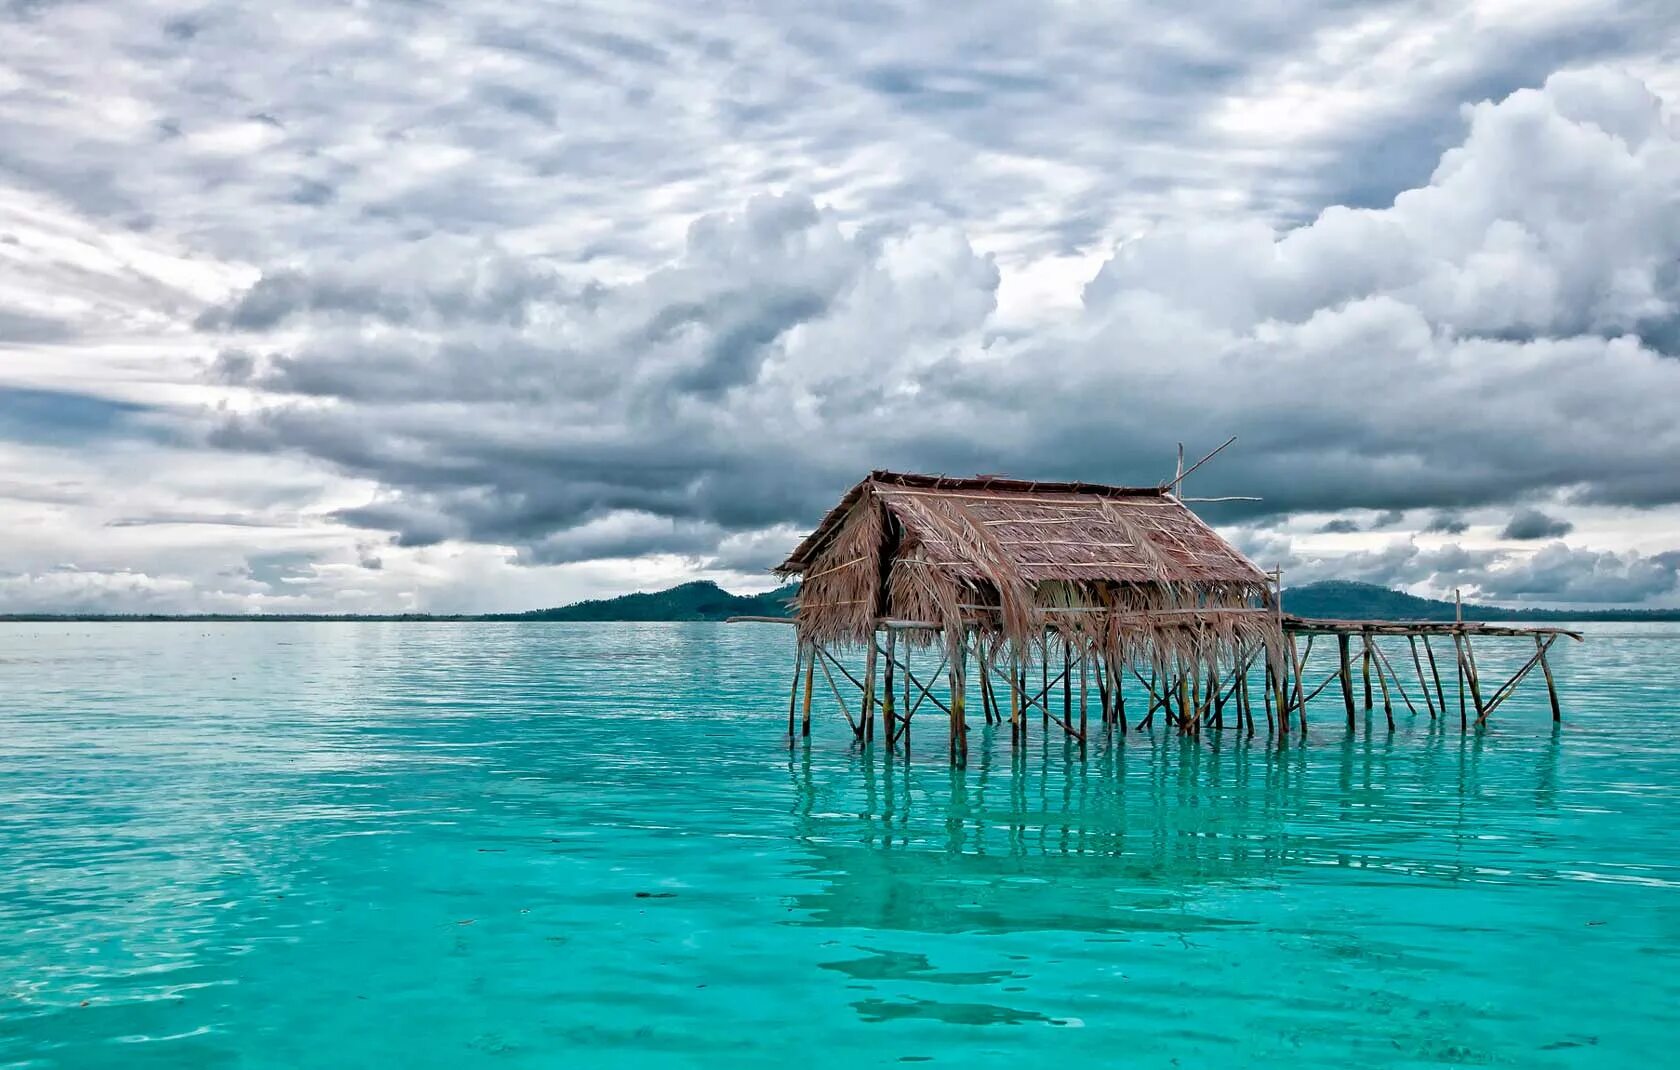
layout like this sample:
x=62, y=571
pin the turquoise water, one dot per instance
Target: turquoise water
x=475, y=845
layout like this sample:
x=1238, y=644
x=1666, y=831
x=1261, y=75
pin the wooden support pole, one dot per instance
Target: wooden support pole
x=1044, y=689
x=1266, y=695
x=810, y=682
x=887, y=688
x=1017, y=717
x=1474, y=677
x=1184, y=709
x=1463, y=718
x=1342, y=644
x=869, y=691
x=957, y=649
x=1084, y=681
x=1435, y=672
x=1551, y=685
x=1245, y=704
x=1300, y=681
x=793, y=693
x=1365, y=666
x=1423, y=684
x=1382, y=681
x=1103, y=698
x=1114, y=669
x=1067, y=681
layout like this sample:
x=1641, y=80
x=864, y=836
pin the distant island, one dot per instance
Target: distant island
x=703, y=600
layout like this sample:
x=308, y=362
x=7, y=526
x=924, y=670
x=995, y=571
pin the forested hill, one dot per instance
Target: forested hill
x=1347, y=600
x=700, y=600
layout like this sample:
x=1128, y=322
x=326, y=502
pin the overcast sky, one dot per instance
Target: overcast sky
x=488, y=305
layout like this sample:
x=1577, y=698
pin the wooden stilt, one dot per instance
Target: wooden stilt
x=1067, y=681
x=869, y=691
x=957, y=649
x=1474, y=677
x=793, y=693
x=1346, y=669
x=1044, y=687
x=1551, y=685
x=1300, y=683
x=1435, y=672
x=1266, y=696
x=1365, y=667
x=1244, y=704
x=1382, y=681
x=810, y=682
x=887, y=688
x=1218, y=690
x=1423, y=684
x=1463, y=717
x=1017, y=716
x=1084, y=681
x=1114, y=669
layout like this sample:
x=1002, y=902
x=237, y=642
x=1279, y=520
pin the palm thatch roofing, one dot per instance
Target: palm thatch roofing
x=1130, y=568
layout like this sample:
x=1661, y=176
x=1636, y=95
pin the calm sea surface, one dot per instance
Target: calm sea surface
x=466, y=845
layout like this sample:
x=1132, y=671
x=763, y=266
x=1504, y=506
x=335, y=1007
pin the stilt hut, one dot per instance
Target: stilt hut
x=1086, y=584
x=1116, y=578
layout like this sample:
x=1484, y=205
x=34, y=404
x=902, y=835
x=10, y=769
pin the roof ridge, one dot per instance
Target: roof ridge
x=1009, y=485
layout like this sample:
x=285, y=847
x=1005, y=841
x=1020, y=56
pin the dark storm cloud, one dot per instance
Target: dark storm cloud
x=1532, y=524
x=1447, y=523
x=1339, y=526
x=1418, y=356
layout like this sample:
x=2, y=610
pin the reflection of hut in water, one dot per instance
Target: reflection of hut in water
x=1087, y=584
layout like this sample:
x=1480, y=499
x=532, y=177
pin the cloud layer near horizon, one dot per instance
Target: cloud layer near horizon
x=474, y=372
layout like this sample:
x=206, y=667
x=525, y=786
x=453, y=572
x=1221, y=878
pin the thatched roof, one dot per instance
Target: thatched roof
x=1128, y=568
x=1044, y=530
